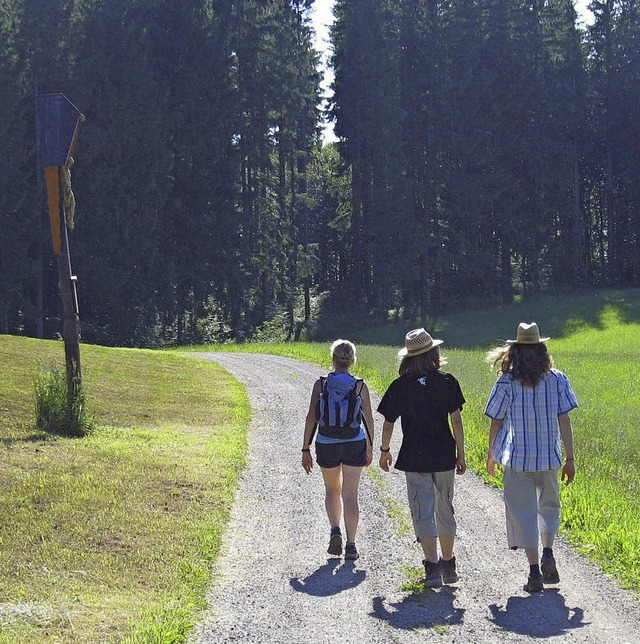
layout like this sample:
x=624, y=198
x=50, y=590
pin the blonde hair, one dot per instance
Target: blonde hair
x=343, y=354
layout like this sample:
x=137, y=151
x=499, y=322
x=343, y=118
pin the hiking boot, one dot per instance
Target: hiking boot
x=549, y=571
x=433, y=574
x=350, y=552
x=448, y=567
x=335, y=542
x=534, y=583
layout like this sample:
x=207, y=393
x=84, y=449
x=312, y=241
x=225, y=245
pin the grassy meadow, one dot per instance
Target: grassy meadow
x=110, y=538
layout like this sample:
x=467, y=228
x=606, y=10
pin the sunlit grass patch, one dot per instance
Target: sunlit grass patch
x=414, y=583
x=116, y=532
x=395, y=510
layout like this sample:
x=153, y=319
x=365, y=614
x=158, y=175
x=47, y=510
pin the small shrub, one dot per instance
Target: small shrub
x=273, y=330
x=58, y=410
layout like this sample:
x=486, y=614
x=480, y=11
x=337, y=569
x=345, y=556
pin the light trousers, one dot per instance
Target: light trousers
x=532, y=504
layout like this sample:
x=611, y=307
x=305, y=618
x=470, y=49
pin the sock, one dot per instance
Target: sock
x=547, y=552
x=534, y=570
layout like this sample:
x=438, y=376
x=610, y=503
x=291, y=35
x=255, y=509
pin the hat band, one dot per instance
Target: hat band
x=420, y=348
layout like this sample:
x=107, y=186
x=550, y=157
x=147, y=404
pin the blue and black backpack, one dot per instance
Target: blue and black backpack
x=339, y=407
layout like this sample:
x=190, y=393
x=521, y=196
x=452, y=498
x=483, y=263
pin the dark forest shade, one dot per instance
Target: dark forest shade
x=486, y=148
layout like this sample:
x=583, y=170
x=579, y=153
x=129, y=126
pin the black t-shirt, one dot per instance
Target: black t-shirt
x=423, y=403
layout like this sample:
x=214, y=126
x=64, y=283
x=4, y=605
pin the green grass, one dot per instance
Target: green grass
x=111, y=537
x=595, y=339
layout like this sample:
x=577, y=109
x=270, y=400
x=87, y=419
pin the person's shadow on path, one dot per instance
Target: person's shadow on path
x=426, y=610
x=539, y=615
x=330, y=579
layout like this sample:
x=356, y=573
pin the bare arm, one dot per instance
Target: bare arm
x=458, y=436
x=566, y=433
x=309, y=426
x=368, y=416
x=386, y=459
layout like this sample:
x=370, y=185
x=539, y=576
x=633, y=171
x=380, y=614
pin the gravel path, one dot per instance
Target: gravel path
x=274, y=581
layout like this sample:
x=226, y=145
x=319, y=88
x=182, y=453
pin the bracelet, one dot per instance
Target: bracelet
x=384, y=450
x=305, y=449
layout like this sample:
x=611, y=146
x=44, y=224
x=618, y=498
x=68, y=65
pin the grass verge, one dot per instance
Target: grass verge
x=110, y=538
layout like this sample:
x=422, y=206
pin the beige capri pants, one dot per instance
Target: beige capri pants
x=532, y=504
x=430, y=497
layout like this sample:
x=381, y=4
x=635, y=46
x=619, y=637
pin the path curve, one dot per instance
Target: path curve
x=274, y=581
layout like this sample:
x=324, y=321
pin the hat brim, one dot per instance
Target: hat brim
x=405, y=353
x=540, y=341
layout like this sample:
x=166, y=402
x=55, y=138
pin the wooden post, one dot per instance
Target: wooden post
x=57, y=122
x=71, y=318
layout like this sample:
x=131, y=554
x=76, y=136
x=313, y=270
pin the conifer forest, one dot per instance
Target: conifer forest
x=485, y=149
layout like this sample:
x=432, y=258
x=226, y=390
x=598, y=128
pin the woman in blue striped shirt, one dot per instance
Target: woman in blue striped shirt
x=529, y=408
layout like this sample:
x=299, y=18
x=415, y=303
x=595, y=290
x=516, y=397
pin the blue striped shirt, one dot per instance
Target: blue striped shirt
x=529, y=438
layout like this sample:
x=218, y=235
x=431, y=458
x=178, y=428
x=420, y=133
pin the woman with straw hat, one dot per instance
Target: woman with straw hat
x=425, y=398
x=529, y=408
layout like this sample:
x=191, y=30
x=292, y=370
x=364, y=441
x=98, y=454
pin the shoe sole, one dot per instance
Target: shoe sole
x=450, y=580
x=335, y=546
x=550, y=573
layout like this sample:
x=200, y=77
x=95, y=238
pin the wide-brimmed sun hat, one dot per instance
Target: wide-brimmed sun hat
x=416, y=342
x=528, y=333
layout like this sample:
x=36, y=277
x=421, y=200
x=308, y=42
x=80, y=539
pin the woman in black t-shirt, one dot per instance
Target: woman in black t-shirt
x=424, y=398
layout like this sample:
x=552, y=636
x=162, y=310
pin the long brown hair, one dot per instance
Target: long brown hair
x=528, y=363
x=422, y=363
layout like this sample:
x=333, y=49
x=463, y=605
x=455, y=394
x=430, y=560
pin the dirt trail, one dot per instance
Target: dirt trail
x=274, y=581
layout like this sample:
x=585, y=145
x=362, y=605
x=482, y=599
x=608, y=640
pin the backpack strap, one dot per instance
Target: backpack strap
x=323, y=388
x=324, y=394
x=353, y=396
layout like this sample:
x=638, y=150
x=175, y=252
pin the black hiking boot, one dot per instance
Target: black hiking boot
x=335, y=542
x=350, y=552
x=549, y=570
x=534, y=583
x=448, y=567
x=433, y=574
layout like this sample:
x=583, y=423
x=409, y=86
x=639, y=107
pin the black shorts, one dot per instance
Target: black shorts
x=352, y=453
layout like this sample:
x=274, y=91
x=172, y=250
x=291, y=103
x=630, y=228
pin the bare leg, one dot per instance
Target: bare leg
x=350, y=483
x=430, y=548
x=446, y=546
x=547, y=539
x=532, y=556
x=332, y=498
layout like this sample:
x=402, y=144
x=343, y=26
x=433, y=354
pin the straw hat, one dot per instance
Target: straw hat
x=528, y=334
x=416, y=342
